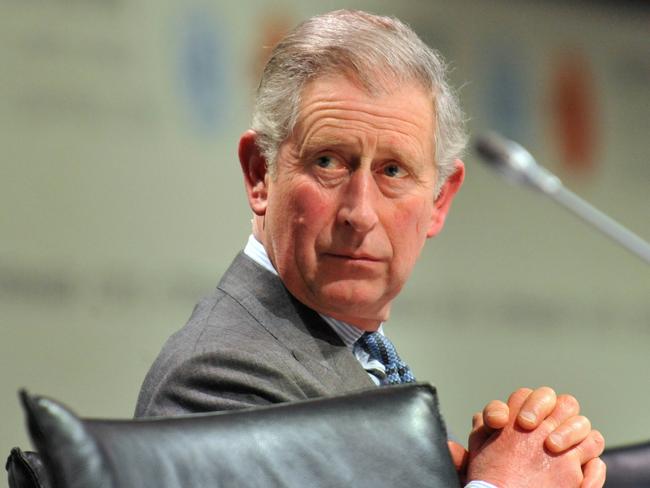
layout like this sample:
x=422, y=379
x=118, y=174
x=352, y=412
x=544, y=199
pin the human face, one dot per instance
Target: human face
x=352, y=200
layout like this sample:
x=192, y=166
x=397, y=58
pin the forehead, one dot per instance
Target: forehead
x=337, y=107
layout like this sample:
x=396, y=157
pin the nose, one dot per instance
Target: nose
x=358, y=202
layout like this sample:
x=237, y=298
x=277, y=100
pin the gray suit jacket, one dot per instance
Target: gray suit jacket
x=250, y=343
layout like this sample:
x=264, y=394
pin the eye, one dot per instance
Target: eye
x=394, y=170
x=329, y=162
x=325, y=162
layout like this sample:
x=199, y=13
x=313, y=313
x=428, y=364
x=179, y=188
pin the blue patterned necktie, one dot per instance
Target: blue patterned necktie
x=380, y=348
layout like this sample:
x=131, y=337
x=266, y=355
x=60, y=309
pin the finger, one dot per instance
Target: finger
x=479, y=433
x=517, y=399
x=537, y=406
x=570, y=433
x=459, y=456
x=592, y=447
x=566, y=407
x=477, y=438
x=477, y=421
x=496, y=415
x=595, y=472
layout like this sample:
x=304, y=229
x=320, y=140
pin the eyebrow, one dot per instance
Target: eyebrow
x=349, y=145
x=324, y=141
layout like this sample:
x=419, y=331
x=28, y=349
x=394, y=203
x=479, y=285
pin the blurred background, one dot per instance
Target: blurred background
x=121, y=201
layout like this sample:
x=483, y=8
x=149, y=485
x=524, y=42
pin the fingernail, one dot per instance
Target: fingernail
x=498, y=414
x=555, y=439
x=529, y=417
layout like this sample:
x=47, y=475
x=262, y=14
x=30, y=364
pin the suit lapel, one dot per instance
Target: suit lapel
x=311, y=341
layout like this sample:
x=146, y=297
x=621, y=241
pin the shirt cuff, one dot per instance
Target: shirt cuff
x=479, y=484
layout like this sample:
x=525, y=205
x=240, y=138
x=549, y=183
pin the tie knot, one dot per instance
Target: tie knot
x=381, y=349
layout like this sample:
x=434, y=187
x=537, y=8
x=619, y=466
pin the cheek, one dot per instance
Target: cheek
x=311, y=203
x=410, y=224
x=304, y=211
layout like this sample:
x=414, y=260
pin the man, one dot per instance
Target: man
x=351, y=164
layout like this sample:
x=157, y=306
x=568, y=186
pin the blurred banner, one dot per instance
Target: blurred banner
x=121, y=201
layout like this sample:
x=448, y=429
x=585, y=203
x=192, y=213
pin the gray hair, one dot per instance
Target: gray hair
x=373, y=50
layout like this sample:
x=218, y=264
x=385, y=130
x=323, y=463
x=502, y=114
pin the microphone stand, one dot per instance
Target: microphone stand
x=516, y=163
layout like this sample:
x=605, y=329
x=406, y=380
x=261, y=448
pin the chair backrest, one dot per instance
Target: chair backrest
x=628, y=466
x=385, y=437
x=25, y=470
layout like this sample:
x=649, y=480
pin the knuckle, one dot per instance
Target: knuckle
x=569, y=402
x=546, y=391
x=577, y=423
x=596, y=472
x=598, y=440
x=520, y=393
x=592, y=447
x=584, y=422
x=495, y=407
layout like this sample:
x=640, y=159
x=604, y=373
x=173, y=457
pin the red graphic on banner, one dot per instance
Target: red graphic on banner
x=272, y=30
x=574, y=113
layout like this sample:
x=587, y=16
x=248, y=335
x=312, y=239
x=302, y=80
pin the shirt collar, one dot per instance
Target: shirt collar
x=349, y=334
x=255, y=250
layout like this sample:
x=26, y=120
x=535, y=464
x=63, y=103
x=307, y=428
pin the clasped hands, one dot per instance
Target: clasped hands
x=536, y=439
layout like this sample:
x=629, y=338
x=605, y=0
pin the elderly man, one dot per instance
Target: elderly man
x=351, y=165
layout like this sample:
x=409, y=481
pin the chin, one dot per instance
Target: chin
x=353, y=301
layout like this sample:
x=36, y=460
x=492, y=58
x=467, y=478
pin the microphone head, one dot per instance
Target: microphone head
x=505, y=155
x=514, y=162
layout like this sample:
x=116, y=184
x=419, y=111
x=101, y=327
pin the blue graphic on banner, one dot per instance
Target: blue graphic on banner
x=202, y=68
x=507, y=98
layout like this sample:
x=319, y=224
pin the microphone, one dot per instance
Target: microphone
x=515, y=163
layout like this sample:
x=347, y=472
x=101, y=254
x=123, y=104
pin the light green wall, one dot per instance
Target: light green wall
x=117, y=212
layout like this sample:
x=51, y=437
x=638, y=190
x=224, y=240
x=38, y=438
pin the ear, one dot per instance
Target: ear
x=253, y=166
x=445, y=196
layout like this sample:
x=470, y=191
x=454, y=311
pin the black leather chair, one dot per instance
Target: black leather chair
x=26, y=470
x=628, y=466
x=385, y=437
